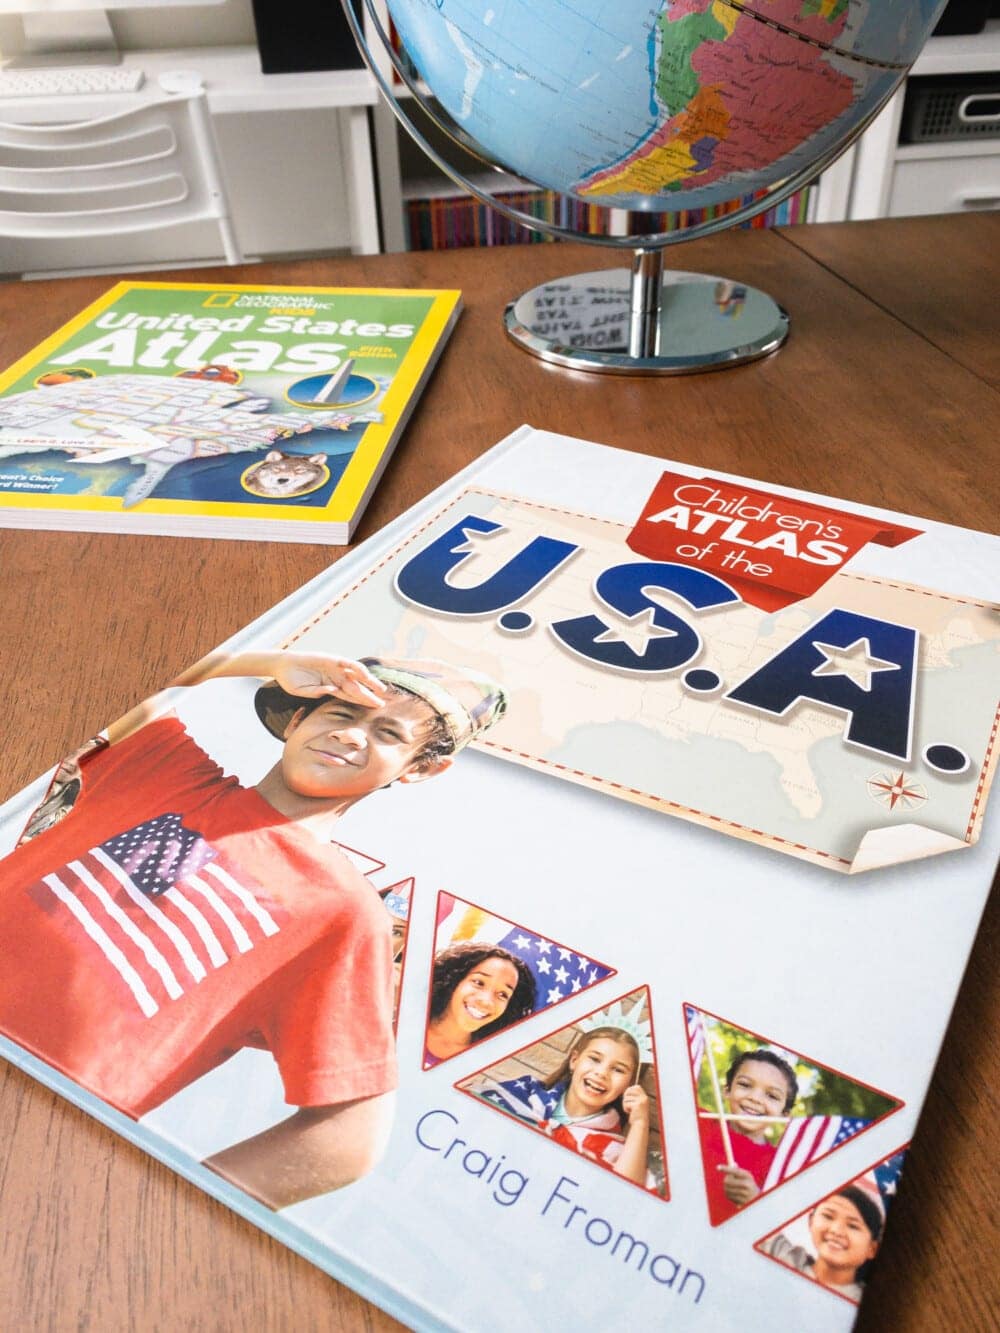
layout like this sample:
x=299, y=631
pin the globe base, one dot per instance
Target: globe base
x=655, y=323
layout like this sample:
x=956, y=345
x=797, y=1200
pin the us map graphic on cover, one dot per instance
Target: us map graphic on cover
x=169, y=408
x=511, y=903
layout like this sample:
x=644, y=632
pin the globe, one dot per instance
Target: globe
x=668, y=109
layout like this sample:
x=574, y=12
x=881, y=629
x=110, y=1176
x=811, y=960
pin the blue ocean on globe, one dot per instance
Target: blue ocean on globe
x=661, y=105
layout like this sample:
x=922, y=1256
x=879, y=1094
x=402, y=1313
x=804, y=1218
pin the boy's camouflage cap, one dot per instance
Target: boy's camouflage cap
x=468, y=702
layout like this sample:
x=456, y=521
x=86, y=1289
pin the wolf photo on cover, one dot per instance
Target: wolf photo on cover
x=158, y=915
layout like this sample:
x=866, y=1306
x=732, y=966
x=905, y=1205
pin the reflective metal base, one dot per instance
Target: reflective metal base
x=689, y=322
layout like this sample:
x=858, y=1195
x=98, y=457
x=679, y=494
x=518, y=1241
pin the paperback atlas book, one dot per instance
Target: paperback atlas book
x=540, y=859
x=216, y=411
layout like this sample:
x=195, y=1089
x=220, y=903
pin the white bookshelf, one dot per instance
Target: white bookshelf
x=891, y=179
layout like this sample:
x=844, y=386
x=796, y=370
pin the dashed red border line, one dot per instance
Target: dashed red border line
x=981, y=785
x=661, y=801
x=921, y=592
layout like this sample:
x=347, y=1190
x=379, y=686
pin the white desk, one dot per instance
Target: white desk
x=235, y=84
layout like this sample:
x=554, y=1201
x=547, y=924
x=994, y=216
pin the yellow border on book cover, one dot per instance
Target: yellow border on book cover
x=354, y=484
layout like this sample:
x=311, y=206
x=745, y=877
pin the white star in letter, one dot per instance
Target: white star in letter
x=637, y=632
x=855, y=662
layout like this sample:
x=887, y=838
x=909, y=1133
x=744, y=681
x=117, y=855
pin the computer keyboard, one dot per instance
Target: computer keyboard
x=58, y=81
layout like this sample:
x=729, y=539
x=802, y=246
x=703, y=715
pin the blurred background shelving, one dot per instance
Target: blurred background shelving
x=317, y=163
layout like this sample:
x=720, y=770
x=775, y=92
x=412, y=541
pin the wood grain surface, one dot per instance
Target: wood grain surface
x=939, y=278
x=886, y=393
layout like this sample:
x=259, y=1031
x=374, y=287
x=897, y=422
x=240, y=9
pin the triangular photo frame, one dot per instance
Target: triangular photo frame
x=398, y=902
x=489, y=973
x=767, y=1112
x=835, y=1241
x=590, y=1087
x=368, y=865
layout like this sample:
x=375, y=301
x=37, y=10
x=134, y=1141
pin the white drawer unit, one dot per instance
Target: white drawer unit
x=296, y=152
x=956, y=165
x=945, y=178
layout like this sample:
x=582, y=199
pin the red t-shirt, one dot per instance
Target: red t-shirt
x=174, y=916
x=753, y=1157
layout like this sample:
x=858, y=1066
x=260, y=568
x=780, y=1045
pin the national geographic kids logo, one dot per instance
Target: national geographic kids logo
x=278, y=303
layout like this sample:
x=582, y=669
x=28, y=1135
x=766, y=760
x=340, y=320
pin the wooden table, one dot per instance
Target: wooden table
x=887, y=392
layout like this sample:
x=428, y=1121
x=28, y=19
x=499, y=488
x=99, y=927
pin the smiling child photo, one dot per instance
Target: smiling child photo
x=589, y=1087
x=160, y=914
x=489, y=973
x=836, y=1241
x=766, y=1113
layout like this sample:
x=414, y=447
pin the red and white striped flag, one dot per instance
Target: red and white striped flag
x=696, y=1040
x=808, y=1138
x=161, y=907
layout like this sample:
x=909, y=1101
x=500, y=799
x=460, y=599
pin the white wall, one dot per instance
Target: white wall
x=226, y=24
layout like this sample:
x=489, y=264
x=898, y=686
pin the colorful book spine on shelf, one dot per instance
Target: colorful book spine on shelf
x=449, y=223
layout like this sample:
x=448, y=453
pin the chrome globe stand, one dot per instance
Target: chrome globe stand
x=649, y=321
x=646, y=320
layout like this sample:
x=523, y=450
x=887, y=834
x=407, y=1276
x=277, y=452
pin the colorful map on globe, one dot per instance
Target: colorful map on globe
x=661, y=106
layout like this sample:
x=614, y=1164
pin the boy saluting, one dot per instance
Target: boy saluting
x=171, y=916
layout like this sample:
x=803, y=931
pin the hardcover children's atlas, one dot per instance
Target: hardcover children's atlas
x=217, y=411
x=512, y=901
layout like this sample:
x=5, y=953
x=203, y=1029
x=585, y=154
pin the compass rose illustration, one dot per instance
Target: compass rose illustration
x=895, y=789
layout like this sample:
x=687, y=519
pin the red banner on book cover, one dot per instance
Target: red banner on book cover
x=772, y=549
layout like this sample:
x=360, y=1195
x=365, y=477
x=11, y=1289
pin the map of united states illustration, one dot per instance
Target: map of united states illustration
x=792, y=782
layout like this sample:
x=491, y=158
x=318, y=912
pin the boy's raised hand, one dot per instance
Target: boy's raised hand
x=313, y=675
x=739, y=1185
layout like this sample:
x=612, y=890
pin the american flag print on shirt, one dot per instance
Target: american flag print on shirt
x=161, y=909
x=808, y=1138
